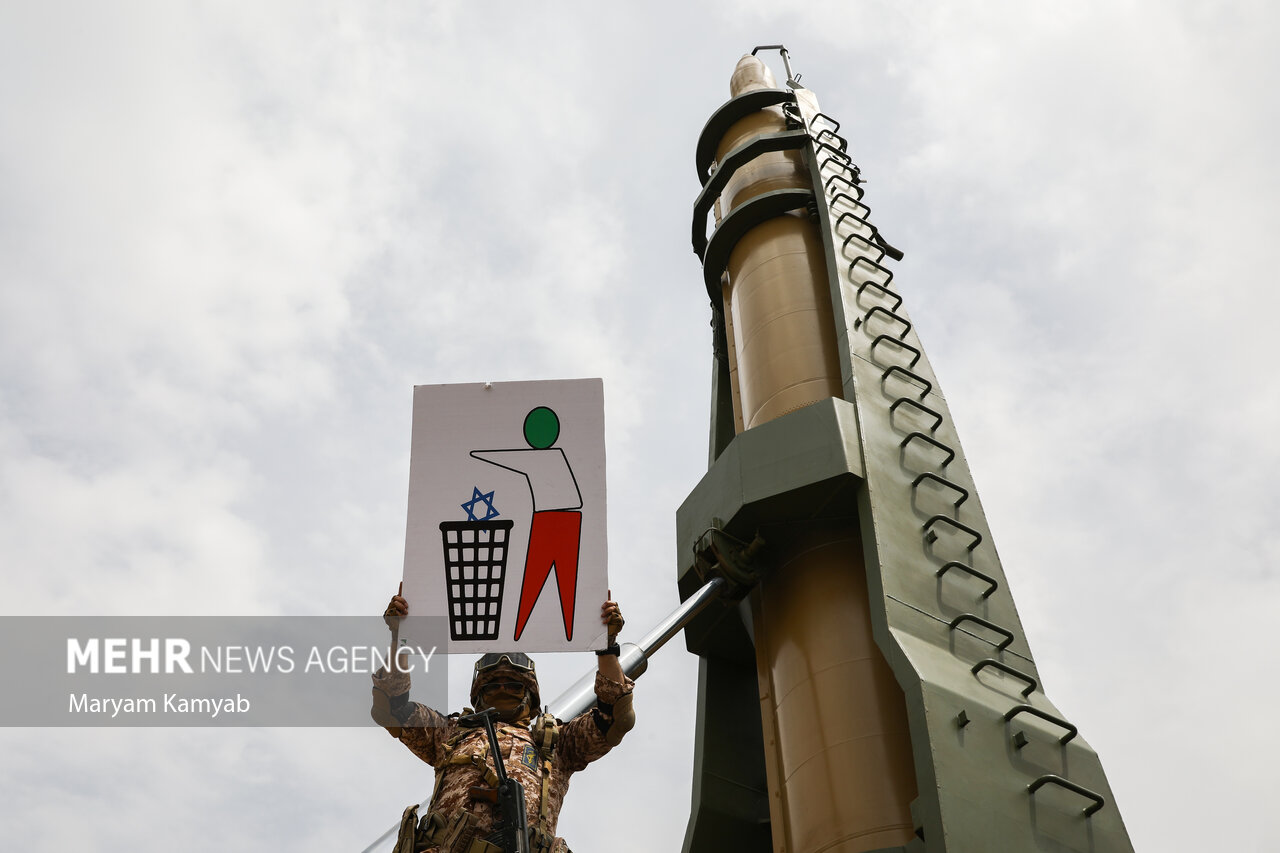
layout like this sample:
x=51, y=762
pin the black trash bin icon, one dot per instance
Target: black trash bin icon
x=475, y=561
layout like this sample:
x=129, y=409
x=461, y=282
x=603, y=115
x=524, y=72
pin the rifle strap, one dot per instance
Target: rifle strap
x=546, y=735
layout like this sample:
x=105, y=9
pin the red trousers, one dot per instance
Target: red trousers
x=553, y=544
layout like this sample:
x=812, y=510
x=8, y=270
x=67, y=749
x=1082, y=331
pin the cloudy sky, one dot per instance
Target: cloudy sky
x=233, y=236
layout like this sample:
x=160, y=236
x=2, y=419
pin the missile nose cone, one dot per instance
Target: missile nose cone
x=749, y=75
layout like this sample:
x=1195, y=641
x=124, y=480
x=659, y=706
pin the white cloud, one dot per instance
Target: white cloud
x=232, y=238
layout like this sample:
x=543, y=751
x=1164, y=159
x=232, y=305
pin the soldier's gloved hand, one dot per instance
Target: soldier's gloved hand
x=396, y=610
x=611, y=616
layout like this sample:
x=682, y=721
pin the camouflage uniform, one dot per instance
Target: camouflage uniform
x=460, y=755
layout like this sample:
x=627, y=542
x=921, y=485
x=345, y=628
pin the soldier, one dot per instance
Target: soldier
x=538, y=750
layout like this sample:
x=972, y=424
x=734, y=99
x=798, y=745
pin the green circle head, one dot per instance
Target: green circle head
x=541, y=428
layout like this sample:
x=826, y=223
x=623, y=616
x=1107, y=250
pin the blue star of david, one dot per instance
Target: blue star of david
x=480, y=497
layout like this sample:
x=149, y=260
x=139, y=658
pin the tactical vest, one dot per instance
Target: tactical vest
x=455, y=833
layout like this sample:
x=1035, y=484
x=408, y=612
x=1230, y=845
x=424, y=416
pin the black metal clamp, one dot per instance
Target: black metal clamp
x=717, y=554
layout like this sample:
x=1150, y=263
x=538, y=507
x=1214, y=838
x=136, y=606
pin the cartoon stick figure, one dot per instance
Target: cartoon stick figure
x=556, y=527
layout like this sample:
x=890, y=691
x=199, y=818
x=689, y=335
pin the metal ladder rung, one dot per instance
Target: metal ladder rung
x=838, y=153
x=853, y=185
x=932, y=536
x=954, y=564
x=842, y=143
x=990, y=626
x=943, y=481
x=930, y=440
x=876, y=266
x=860, y=218
x=926, y=385
x=875, y=285
x=1049, y=778
x=880, y=309
x=857, y=235
x=1032, y=684
x=824, y=117
x=899, y=343
x=846, y=166
x=1072, y=731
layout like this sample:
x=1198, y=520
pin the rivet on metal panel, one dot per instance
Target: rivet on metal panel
x=1072, y=731
x=993, y=584
x=1050, y=779
x=1032, y=684
x=962, y=719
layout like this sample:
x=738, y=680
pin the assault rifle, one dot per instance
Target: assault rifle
x=512, y=830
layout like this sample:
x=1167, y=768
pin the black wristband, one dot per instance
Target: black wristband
x=615, y=650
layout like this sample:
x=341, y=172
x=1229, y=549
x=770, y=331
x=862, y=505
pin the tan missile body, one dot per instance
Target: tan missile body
x=840, y=769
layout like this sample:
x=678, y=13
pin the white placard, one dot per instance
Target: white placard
x=506, y=535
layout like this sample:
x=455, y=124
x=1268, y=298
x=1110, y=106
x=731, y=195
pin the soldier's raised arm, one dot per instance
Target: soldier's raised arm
x=592, y=734
x=615, y=707
x=416, y=725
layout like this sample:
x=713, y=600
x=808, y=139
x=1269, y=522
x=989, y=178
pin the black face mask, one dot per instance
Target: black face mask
x=511, y=712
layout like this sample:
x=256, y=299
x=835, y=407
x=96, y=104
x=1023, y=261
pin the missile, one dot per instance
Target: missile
x=868, y=685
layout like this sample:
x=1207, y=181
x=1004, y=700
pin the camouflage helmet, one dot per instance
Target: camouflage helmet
x=517, y=665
